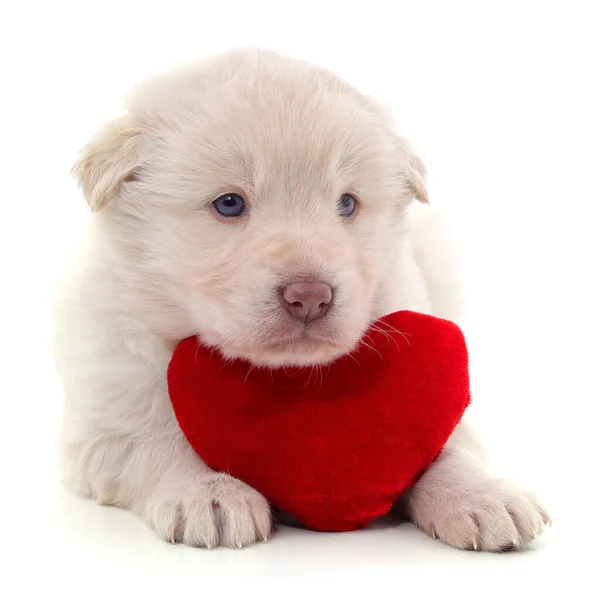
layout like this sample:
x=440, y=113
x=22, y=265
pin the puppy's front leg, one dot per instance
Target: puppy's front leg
x=458, y=502
x=200, y=507
x=156, y=474
x=167, y=484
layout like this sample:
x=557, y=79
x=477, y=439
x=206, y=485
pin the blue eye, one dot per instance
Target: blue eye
x=347, y=205
x=230, y=205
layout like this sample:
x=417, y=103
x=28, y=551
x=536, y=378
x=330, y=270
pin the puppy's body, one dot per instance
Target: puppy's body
x=161, y=264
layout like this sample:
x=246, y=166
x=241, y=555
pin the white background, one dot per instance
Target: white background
x=496, y=98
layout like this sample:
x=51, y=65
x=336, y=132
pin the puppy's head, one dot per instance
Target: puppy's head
x=256, y=201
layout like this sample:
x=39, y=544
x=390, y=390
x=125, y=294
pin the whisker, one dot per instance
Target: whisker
x=350, y=355
x=248, y=372
x=394, y=330
x=385, y=334
x=320, y=367
x=367, y=345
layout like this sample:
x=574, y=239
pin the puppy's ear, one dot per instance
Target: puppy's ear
x=109, y=159
x=415, y=174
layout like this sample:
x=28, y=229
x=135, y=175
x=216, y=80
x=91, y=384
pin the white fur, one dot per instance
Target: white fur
x=160, y=265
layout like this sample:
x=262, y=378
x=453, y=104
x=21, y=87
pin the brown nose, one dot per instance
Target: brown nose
x=307, y=301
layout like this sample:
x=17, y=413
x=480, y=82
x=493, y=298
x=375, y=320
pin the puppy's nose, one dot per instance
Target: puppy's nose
x=307, y=301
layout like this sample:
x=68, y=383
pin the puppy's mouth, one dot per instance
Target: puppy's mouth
x=303, y=342
x=304, y=347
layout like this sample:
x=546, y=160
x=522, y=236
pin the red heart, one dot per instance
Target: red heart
x=333, y=447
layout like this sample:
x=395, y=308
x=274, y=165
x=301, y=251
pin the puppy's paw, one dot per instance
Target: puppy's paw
x=491, y=515
x=216, y=510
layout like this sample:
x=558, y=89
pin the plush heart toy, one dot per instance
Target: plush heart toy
x=333, y=446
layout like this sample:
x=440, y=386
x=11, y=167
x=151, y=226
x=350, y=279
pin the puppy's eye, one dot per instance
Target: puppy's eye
x=346, y=205
x=230, y=205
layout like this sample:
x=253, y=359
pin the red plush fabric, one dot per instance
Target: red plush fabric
x=333, y=448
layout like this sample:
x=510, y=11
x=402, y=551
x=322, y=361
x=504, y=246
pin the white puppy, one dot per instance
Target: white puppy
x=265, y=205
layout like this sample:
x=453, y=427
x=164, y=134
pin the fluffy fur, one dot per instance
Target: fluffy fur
x=160, y=265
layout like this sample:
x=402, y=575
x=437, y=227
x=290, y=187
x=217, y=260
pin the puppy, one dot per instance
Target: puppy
x=267, y=206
